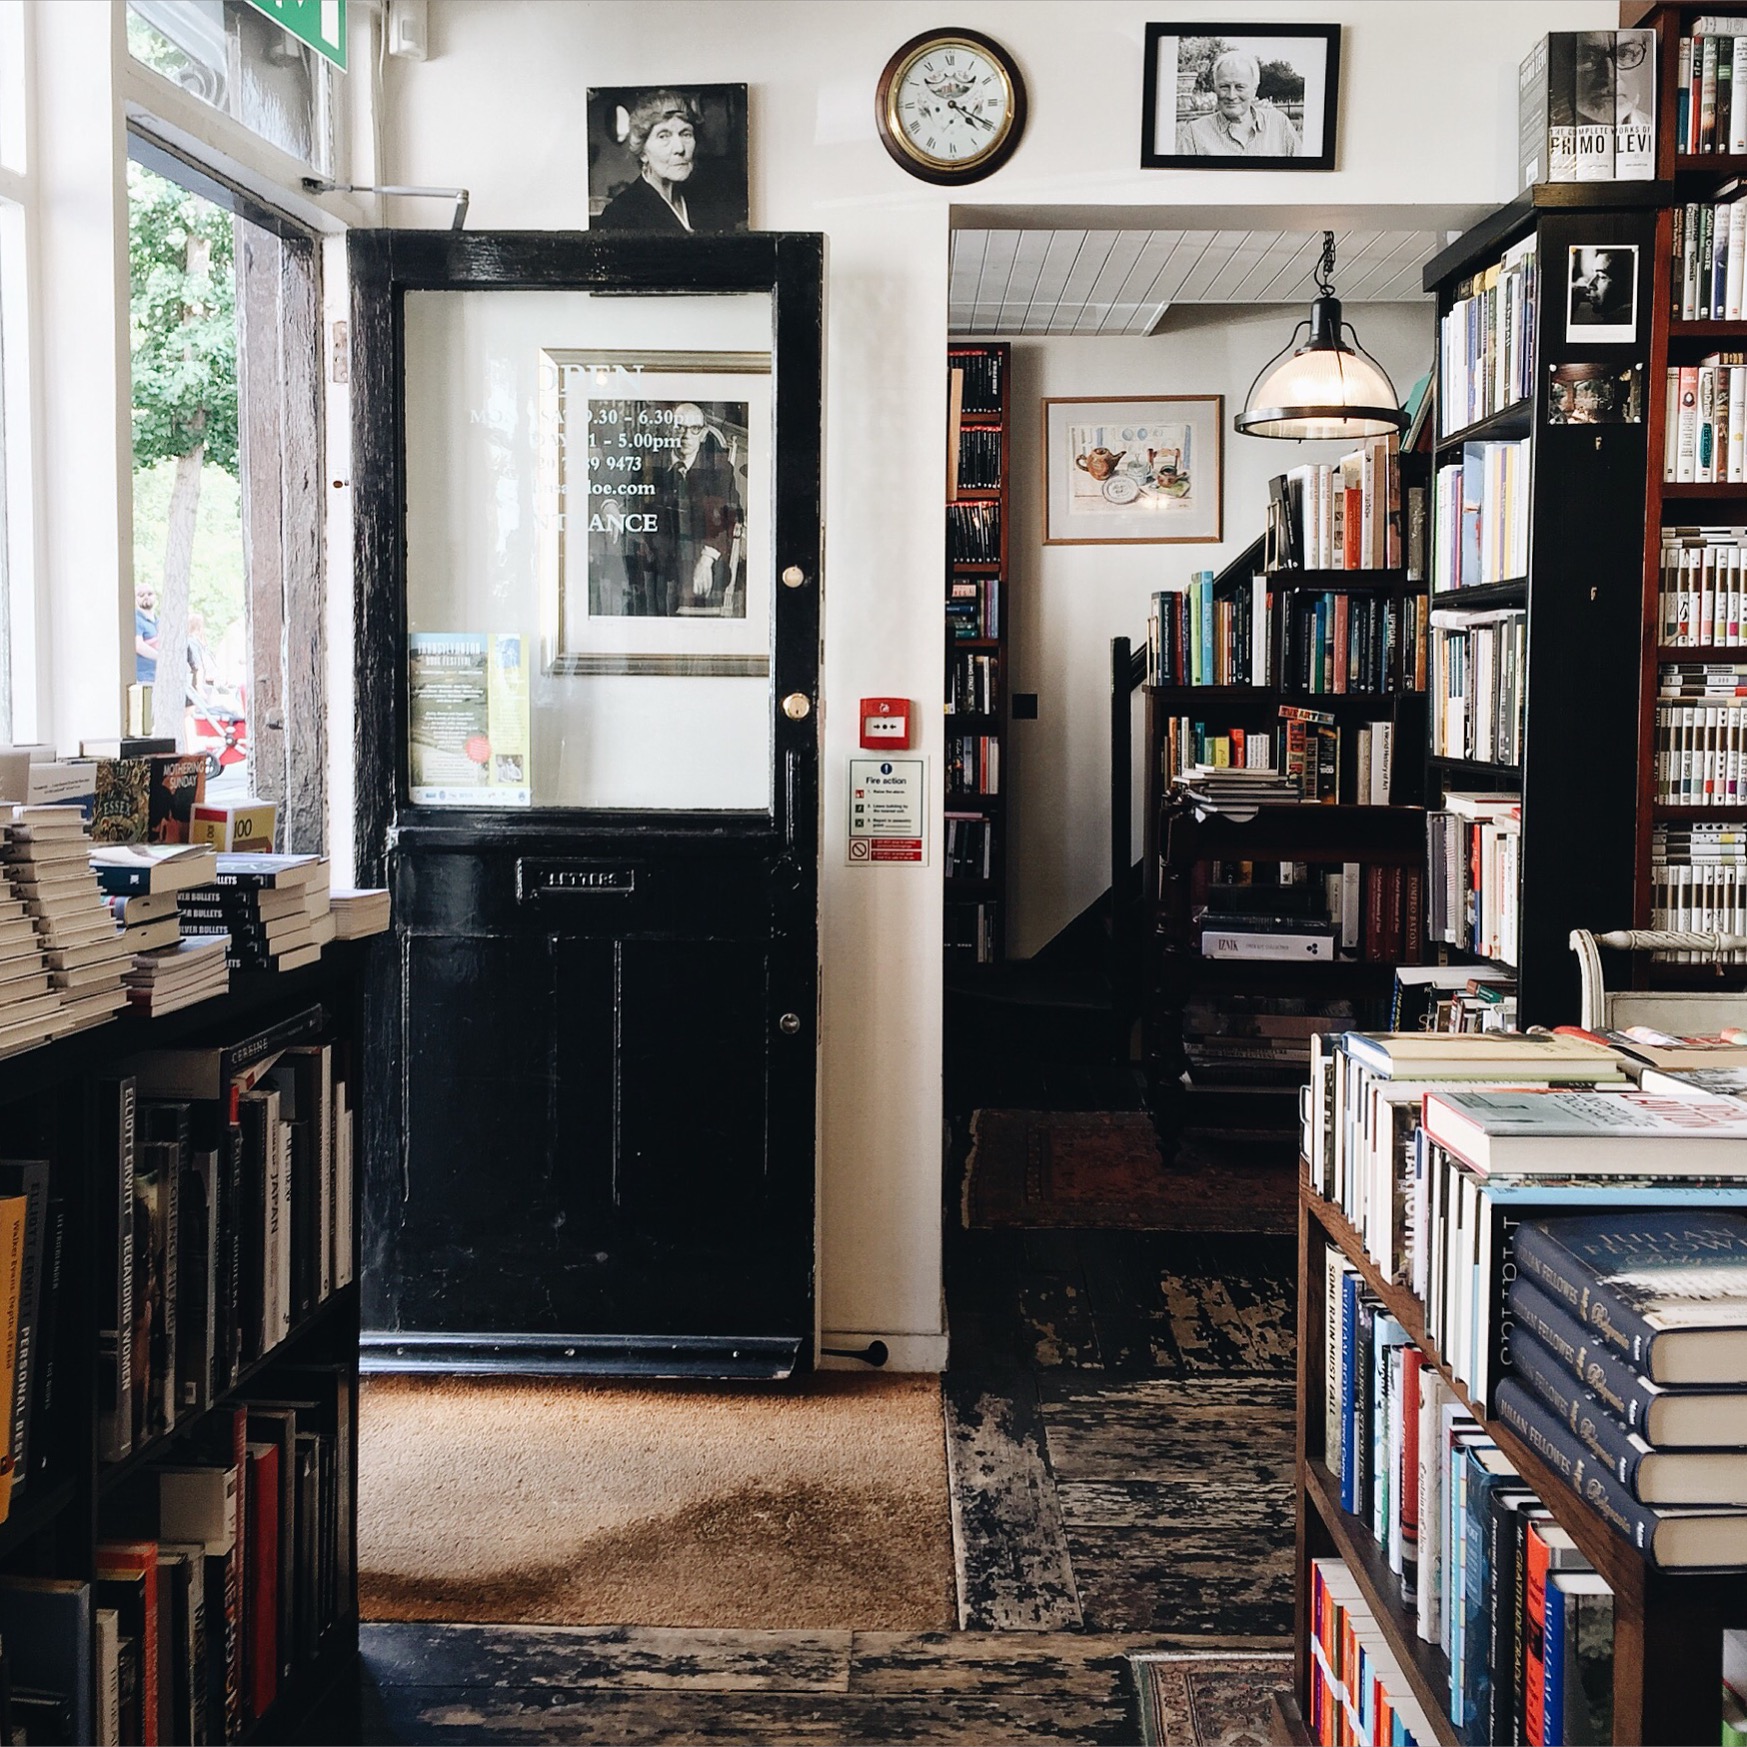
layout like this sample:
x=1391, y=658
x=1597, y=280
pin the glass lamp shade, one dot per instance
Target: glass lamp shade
x=1326, y=388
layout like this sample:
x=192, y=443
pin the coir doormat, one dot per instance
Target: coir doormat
x=1081, y=1170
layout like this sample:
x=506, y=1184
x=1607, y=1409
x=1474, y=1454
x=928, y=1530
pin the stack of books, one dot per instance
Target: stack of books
x=176, y=976
x=274, y=909
x=30, y=1007
x=1237, y=792
x=1261, y=921
x=48, y=860
x=358, y=913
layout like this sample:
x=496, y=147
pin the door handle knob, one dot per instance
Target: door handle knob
x=789, y=1024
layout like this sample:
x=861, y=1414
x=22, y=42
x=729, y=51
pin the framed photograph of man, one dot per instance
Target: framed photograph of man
x=1602, y=294
x=655, y=551
x=1240, y=96
x=668, y=158
x=1133, y=471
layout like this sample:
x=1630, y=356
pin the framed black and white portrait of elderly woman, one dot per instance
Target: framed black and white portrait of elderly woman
x=668, y=158
x=1240, y=96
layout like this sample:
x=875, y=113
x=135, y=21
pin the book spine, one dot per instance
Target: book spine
x=1349, y=1359
x=1334, y=1276
x=1553, y=1665
x=1587, y=1360
x=1593, y=1304
x=1590, y=1430
x=1518, y=1410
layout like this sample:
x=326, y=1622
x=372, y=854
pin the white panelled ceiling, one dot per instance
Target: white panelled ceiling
x=1036, y=271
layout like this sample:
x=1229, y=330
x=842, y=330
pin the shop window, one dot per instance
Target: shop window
x=241, y=62
x=229, y=647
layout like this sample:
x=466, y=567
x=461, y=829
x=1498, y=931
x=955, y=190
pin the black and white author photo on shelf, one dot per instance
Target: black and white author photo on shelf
x=1602, y=294
x=1240, y=97
x=668, y=158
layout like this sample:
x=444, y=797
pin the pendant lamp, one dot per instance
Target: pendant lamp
x=1328, y=386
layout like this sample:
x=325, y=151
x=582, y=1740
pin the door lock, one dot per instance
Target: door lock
x=789, y=1024
x=794, y=576
x=797, y=706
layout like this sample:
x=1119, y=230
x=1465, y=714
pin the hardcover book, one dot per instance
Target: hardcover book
x=123, y=810
x=1606, y=1133
x=1661, y=1477
x=1669, y=1419
x=1713, y=1538
x=178, y=784
x=1666, y=1291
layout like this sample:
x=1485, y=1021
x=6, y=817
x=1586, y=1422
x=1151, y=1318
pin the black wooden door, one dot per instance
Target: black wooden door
x=594, y=1149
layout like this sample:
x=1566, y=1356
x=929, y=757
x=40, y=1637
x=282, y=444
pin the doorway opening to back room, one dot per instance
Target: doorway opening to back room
x=1123, y=613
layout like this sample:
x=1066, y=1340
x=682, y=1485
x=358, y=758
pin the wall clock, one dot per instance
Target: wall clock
x=951, y=106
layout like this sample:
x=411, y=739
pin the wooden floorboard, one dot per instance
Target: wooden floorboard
x=665, y=1657
x=1012, y=1559
x=1238, y=1509
x=599, y=1715
x=1148, y=1428
x=1182, y=1583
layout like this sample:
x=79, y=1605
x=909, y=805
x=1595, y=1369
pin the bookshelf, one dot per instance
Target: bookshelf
x=1675, y=341
x=1668, y=1626
x=979, y=773
x=1196, y=1082
x=74, y=1500
x=1578, y=604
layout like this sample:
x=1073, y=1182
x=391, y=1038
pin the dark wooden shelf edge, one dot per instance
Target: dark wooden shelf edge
x=1467, y=956
x=1290, y=1729
x=112, y=1474
x=1506, y=421
x=1709, y=163
x=1425, y=1666
x=34, y=1512
x=1704, y=330
x=1508, y=773
x=1331, y=581
x=1513, y=592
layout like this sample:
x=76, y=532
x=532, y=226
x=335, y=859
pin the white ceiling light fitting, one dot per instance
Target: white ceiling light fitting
x=1326, y=386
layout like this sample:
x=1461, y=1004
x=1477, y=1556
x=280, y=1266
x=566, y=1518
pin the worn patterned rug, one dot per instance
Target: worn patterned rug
x=1209, y=1698
x=1074, y=1170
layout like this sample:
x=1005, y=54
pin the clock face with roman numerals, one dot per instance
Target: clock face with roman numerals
x=951, y=106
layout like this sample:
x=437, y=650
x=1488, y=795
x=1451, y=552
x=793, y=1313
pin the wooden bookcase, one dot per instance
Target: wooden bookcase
x=1686, y=177
x=1667, y=1625
x=984, y=421
x=1178, y=846
x=75, y=1500
x=1582, y=596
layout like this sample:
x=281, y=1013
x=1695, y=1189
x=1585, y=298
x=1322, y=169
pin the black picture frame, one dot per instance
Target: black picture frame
x=717, y=190
x=1321, y=53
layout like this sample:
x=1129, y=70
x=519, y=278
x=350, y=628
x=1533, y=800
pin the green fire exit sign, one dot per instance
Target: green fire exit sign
x=320, y=23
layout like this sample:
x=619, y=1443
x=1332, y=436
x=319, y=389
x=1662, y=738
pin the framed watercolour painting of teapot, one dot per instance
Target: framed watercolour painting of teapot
x=1133, y=471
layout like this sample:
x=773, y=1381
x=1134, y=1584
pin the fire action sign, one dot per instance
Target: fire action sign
x=888, y=802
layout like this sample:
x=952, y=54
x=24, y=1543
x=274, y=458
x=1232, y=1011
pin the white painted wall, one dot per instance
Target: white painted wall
x=1069, y=601
x=1429, y=114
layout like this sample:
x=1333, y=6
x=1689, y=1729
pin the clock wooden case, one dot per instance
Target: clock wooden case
x=951, y=106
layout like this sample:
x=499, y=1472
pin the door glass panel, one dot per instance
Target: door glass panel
x=590, y=564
